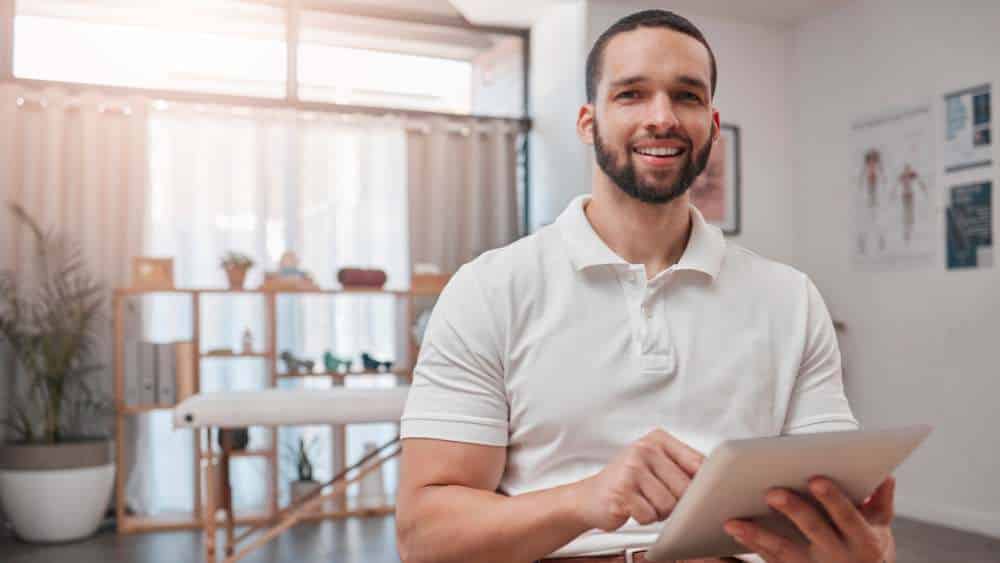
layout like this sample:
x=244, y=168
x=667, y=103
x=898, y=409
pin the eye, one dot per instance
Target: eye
x=690, y=96
x=627, y=95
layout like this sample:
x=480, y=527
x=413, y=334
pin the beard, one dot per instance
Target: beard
x=656, y=191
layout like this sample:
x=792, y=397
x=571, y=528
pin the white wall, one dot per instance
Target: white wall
x=752, y=66
x=498, y=79
x=558, y=168
x=919, y=345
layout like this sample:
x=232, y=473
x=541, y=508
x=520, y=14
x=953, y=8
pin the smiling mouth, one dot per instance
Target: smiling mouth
x=659, y=155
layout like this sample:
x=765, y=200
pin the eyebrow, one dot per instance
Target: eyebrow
x=686, y=79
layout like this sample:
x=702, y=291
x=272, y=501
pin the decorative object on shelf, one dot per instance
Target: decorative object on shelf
x=300, y=457
x=292, y=364
x=236, y=265
x=333, y=364
x=420, y=326
x=374, y=364
x=56, y=469
x=288, y=276
x=427, y=278
x=247, y=341
x=152, y=273
x=289, y=263
x=428, y=283
x=371, y=490
x=360, y=277
x=240, y=438
x=220, y=352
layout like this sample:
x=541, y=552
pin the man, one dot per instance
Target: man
x=569, y=384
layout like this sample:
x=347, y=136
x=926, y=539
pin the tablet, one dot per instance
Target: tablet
x=737, y=474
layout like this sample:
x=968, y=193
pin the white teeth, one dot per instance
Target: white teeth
x=659, y=151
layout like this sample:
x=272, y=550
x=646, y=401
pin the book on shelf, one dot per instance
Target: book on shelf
x=185, y=357
x=147, y=373
x=131, y=371
x=159, y=373
x=166, y=364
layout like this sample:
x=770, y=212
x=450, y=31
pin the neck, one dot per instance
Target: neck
x=654, y=235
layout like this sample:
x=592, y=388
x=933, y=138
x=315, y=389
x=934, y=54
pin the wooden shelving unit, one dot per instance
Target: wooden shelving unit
x=132, y=523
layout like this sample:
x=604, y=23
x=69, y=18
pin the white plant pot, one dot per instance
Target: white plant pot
x=55, y=505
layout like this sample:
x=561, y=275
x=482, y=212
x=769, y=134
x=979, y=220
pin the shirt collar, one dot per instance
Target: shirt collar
x=704, y=251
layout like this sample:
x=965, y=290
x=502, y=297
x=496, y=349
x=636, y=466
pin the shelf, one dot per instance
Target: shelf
x=396, y=372
x=223, y=355
x=359, y=511
x=268, y=454
x=140, y=291
x=132, y=523
x=332, y=291
x=140, y=409
x=242, y=453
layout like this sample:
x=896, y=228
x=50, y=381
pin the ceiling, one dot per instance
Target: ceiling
x=438, y=8
x=523, y=13
x=773, y=13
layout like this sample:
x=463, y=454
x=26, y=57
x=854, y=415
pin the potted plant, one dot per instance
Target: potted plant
x=301, y=457
x=56, y=473
x=236, y=265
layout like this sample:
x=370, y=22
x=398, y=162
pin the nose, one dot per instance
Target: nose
x=661, y=118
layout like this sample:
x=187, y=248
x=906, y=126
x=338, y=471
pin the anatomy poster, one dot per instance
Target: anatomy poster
x=970, y=226
x=892, y=197
x=968, y=139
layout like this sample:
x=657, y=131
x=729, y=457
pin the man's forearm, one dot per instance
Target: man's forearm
x=445, y=524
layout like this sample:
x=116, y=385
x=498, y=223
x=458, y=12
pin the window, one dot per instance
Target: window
x=366, y=61
x=216, y=46
x=239, y=47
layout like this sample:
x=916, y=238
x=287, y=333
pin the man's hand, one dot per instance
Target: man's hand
x=858, y=535
x=643, y=482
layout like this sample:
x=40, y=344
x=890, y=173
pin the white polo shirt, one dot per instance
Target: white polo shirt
x=557, y=349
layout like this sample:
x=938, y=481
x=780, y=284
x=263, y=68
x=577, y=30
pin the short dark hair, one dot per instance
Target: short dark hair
x=645, y=18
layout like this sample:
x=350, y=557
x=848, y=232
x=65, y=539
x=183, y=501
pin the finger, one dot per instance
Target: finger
x=657, y=494
x=880, y=508
x=845, y=515
x=640, y=509
x=669, y=473
x=808, y=520
x=688, y=458
x=771, y=546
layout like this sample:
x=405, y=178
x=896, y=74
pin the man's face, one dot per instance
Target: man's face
x=652, y=122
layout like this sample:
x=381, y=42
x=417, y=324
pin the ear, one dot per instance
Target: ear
x=718, y=125
x=585, y=124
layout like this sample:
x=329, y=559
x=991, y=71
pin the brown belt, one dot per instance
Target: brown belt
x=633, y=557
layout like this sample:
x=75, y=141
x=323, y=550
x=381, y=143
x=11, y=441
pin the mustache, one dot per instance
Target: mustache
x=674, y=136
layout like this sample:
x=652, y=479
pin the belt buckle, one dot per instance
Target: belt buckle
x=630, y=554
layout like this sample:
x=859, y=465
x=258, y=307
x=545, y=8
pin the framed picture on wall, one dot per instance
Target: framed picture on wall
x=716, y=192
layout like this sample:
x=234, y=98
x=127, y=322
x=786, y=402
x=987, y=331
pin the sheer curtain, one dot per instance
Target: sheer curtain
x=463, y=189
x=330, y=188
x=77, y=163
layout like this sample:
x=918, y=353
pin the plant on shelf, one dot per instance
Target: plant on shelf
x=51, y=315
x=301, y=456
x=236, y=265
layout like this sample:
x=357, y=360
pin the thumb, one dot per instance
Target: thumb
x=879, y=509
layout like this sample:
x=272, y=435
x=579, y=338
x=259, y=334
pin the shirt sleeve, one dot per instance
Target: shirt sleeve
x=818, y=402
x=458, y=391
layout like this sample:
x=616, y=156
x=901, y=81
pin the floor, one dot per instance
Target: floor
x=372, y=540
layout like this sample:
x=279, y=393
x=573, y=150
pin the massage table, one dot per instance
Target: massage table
x=280, y=407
